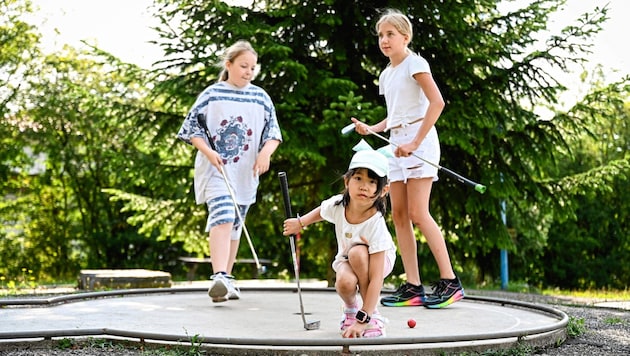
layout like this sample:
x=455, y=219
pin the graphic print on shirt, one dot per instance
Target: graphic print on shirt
x=233, y=139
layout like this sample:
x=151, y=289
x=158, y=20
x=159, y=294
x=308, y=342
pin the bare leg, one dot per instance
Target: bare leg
x=346, y=283
x=220, y=247
x=359, y=260
x=233, y=252
x=405, y=236
x=419, y=193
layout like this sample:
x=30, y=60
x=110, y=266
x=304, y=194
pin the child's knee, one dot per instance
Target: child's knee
x=358, y=252
x=345, y=284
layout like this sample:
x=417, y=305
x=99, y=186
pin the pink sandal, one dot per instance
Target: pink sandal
x=349, y=317
x=376, y=326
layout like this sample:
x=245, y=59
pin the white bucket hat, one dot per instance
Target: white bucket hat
x=367, y=157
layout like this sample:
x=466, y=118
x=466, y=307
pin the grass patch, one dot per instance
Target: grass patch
x=518, y=350
x=192, y=347
x=576, y=327
x=605, y=294
x=614, y=320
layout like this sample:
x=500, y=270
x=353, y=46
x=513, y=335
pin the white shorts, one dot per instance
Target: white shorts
x=221, y=211
x=404, y=168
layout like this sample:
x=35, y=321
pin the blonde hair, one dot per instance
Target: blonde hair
x=397, y=19
x=232, y=53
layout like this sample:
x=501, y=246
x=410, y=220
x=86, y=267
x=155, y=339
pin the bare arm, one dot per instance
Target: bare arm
x=264, y=157
x=362, y=128
x=436, y=105
x=294, y=225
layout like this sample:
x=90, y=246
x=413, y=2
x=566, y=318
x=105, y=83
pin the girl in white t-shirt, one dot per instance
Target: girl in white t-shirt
x=242, y=121
x=414, y=104
x=365, y=249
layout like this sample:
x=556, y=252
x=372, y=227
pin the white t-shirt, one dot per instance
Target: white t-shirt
x=405, y=99
x=374, y=230
x=240, y=121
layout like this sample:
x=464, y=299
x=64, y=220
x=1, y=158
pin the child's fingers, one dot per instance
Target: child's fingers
x=291, y=227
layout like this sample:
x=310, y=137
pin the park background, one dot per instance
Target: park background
x=92, y=176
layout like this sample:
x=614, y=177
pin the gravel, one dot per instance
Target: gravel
x=593, y=331
x=606, y=332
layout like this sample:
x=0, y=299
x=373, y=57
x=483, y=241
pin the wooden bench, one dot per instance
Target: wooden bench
x=194, y=262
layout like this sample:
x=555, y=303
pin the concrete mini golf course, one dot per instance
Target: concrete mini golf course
x=267, y=321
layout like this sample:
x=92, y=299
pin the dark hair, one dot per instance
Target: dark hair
x=381, y=202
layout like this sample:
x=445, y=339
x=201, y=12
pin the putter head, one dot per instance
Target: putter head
x=312, y=325
x=262, y=270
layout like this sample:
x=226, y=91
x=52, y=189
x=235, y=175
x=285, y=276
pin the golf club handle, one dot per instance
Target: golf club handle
x=284, y=186
x=201, y=120
x=478, y=187
x=348, y=129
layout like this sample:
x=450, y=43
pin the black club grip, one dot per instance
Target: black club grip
x=284, y=186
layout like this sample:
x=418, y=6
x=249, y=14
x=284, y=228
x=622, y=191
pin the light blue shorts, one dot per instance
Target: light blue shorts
x=221, y=211
x=404, y=168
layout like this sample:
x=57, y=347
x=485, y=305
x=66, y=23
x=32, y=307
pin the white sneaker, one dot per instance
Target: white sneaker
x=219, y=289
x=233, y=292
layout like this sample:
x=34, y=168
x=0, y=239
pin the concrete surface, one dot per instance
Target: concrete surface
x=98, y=279
x=267, y=320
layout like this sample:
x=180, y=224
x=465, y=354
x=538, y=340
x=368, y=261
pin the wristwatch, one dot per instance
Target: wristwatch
x=362, y=317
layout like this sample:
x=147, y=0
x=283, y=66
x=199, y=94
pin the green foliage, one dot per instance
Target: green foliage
x=65, y=343
x=482, y=60
x=78, y=115
x=116, y=187
x=588, y=238
x=97, y=345
x=520, y=349
x=575, y=327
x=17, y=50
x=614, y=320
x=21, y=283
x=195, y=346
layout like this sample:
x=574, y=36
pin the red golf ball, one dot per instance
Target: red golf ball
x=411, y=323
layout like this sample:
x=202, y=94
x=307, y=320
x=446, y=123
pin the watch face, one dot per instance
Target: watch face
x=362, y=317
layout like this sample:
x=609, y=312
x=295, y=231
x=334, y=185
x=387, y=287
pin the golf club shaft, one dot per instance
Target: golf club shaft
x=284, y=186
x=478, y=187
x=201, y=119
